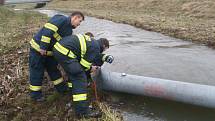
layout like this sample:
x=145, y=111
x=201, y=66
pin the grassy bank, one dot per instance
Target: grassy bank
x=192, y=20
x=16, y=30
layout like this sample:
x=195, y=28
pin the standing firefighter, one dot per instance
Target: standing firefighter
x=41, y=59
x=76, y=54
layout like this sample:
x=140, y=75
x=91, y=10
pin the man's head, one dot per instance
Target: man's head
x=104, y=44
x=76, y=18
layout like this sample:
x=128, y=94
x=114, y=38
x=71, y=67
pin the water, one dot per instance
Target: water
x=150, y=109
x=151, y=54
x=145, y=53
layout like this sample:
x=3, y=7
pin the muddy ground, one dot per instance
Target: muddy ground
x=16, y=30
x=191, y=20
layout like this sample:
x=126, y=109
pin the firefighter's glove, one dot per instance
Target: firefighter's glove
x=109, y=59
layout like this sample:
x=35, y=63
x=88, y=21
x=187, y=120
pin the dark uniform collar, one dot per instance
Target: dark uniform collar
x=99, y=44
x=69, y=22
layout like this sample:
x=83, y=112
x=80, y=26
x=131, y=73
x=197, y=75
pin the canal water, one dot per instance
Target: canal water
x=151, y=54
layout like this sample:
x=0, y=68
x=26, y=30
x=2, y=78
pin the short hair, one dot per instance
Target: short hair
x=104, y=42
x=77, y=13
x=89, y=34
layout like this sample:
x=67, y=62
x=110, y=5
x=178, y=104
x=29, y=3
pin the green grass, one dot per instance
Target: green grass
x=17, y=28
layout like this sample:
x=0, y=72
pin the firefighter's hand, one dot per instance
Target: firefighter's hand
x=109, y=59
x=43, y=52
x=94, y=68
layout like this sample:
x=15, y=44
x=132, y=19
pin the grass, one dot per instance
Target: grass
x=110, y=115
x=191, y=20
x=17, y=28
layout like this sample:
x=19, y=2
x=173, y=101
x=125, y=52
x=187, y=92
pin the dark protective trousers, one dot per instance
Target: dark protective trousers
x=37, y=66
x=78, y=78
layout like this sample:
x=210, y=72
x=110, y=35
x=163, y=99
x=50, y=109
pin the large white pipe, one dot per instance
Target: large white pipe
x=197, y=94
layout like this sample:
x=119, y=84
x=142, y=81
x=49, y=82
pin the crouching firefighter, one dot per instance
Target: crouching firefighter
x=76, y=54
x=40, y=57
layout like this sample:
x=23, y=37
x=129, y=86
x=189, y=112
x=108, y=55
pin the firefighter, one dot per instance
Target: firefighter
x=76, y=54
x=40, y=56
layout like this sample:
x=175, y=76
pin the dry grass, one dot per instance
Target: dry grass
x=110, y=114
x=191, y=20
x=16, y=30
